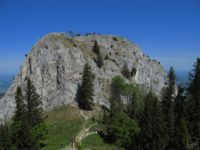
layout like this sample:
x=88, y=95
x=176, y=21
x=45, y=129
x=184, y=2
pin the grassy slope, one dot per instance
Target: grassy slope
x=64, y=125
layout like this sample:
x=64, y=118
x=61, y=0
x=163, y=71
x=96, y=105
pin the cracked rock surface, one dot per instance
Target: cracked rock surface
x=55, y=66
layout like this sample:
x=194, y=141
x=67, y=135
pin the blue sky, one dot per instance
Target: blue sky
x=167, y=30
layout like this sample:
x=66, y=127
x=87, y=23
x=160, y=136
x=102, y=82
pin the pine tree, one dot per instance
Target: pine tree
x=170, y=127
x=34, y=105
x=194, y=101
x=125, y=71
x=168, y=108
x=21, y=133
x=180, y=103
x=180, y=137
x=5, y=138
x=85, y=100
x=169, y=91
x=152, y=127
x=158, y=126
x=96, y=50
x=35, y=116
x=99, y=60
x=20, y=106
x=22, y=137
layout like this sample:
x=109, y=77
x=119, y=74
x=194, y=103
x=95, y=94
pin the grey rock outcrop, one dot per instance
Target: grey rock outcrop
x=55, y=66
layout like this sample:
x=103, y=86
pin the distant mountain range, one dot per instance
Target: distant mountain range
x=5, y=81
x=182, y=77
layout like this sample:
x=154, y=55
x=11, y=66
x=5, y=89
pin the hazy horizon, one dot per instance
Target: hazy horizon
x=6, y=79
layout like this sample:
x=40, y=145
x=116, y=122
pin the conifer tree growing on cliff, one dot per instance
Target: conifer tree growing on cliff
x=194, y=101
x=96, y=50
x=86, y=92
x=168, y=108
x=125, y=71
x=99, y=60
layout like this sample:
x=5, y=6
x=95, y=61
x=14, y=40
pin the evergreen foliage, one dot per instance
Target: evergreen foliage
x=20, y=113
x=135, y=100
x=5, y=138
x=117, y=87
x=168, y=93
x=152, y=127
x=180, y=103
x=131, y=122
x=28, y=129
x=96, y=50
x=86, y=91
x=125, y=71
x=133, y=71
x=131, y=93
x=180, y=137
x=35, y=116
x=168, y=108
x=21, y=134
x=121, y=128
x=169, y=120
x=194, y=101
x=34, y=105
x=99, y=60
x=132, y=106
x=121, y=120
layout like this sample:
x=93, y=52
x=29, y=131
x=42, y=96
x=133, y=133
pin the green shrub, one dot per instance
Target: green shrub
x=115, y=39
x=125, y=71
x=133, y=71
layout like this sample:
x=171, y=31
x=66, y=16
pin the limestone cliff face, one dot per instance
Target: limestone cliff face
x=55, y=66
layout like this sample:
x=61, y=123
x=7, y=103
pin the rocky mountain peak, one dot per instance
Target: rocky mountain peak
x=55, y=66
